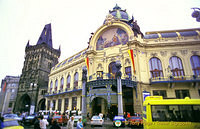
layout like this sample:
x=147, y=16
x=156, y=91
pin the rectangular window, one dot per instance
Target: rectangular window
x=199, y=92
x=10, y=105
x=54, y=104
x=181, y=94
x=81, y=104
x=48, y=105
x=176, y=113
x=128, y=72
x=74, y=103
x=99, y=75
x=66, y=104
x=160, y=93
x=59, y=104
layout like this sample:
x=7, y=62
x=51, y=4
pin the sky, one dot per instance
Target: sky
x=73, y=20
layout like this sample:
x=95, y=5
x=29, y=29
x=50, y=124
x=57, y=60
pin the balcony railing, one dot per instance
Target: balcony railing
x=192, y=78
x=67, y=90
x=110, y=76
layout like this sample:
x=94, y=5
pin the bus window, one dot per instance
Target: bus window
x=177, y=113
x=144, y=113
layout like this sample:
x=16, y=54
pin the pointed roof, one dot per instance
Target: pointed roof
x=27, y=45
x=46, y=36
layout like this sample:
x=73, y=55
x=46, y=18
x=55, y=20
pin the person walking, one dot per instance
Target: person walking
x=43, y=123
x=70, y=123
x=55, y=125
x=37, y=123
x=79, y=124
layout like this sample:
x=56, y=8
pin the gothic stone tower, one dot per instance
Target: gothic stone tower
x=39, y=59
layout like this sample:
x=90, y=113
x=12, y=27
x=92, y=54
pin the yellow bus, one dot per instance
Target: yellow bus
x=159, y=113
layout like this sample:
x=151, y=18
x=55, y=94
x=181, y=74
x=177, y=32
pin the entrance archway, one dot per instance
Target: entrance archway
x=25, y=102
x=41, y=104
x=99, y=105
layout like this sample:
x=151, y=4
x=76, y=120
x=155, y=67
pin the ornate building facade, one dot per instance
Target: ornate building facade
x=33, y=84
x=163, y=63
x=9, y=87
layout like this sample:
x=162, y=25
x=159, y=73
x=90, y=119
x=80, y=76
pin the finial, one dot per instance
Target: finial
x=27, y=45
x=116, y=7
x=59, y=48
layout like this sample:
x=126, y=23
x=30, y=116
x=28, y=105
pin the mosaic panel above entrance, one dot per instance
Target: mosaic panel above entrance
x=112, y=37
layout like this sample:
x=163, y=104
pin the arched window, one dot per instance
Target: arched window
x=51, y=86
x=195, y=62
x=155, y=67
x=112, y=70
x=176, y=66
x=62, y=83
x=76, y=80
x=68, y=81
x=56, y=85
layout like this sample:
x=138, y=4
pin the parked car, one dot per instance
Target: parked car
x=97, y=120
x=29, y=119
x=119, y=121
x=135, y=121
x=12, y=124
x=61, y=119
x=13, y=116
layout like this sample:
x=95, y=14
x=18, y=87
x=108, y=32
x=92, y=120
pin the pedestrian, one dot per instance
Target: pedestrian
x=70, y=123
x=55, y=125
x=79, y=124
x=67, y=115
x=43, y=123
x=37, y=123
x=128, y=115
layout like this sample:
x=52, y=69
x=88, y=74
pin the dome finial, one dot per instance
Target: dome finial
x=116, y=7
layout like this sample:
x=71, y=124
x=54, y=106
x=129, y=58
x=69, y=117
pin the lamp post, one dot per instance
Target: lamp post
x=196, y=14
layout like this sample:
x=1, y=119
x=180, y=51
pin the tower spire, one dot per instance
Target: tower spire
x=27, y=45
x=46, y=36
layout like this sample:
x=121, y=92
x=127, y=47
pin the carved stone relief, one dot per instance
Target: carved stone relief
x=184, y=52
x=154, y=54
x=163, y=53
x=173, y=53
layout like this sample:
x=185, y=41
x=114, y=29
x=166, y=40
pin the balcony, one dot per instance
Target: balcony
x=110, y=76
x=174, y=79
x=67, y=90
x=95, y=84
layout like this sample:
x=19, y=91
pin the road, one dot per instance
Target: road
x=107, y=125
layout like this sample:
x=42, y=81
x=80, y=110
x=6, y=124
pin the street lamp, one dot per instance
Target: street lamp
x=196, y=14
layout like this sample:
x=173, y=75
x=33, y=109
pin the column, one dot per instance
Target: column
x=84, y=93
x=119, y=89
x=103, y=106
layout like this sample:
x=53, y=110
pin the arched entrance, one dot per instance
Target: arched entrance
x=41, y=104
x=99, y=105
x=25, y=102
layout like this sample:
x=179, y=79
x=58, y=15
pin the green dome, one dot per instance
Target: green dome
x=118, y=13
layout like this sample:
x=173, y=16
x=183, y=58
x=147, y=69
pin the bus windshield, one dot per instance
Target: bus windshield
x=176, y=113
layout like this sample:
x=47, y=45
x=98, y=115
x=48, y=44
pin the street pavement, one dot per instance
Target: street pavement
x=107, y=125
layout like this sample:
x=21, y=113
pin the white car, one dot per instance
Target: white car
x=97, y=120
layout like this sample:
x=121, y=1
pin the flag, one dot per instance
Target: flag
x=130, y=52
x=4, y=87
x=87, y=63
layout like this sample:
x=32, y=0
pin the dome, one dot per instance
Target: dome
x=118, y=13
